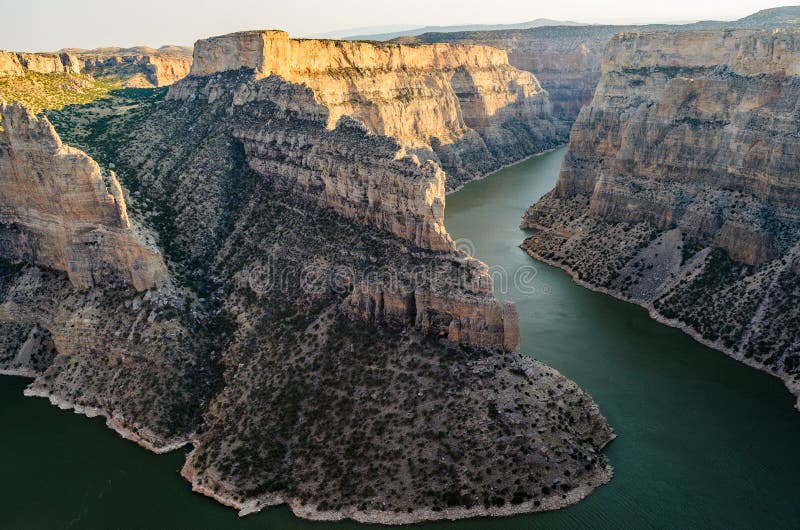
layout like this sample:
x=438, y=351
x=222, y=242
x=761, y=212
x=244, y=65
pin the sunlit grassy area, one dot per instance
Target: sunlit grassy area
x=52, y=91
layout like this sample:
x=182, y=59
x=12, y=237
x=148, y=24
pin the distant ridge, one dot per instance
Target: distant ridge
x=536, y=23
x=777, y=17
x=144, y=50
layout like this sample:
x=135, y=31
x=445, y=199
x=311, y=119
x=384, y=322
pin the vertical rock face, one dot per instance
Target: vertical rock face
x=283, y=133
x=680, y=188
x=136, y=67
x=141, y=67
x=58, y=210
x=12, y=63
x=566, y=59
x=463, y=106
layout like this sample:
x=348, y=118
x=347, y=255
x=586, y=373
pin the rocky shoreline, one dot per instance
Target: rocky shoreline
x=116, y=422
x=312, y=513
x=793, y=387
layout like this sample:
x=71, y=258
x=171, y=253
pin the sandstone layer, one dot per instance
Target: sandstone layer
x=464, y=107
x=59, y=210
x=679, y=189
x=320, y=342
x=566, y=59
x=139, y=67
x=18, y=63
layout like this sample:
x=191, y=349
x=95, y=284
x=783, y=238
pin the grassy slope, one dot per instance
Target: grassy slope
x=52, y=91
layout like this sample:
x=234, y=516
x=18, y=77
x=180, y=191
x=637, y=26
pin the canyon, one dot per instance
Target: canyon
x=270, y=281
x=566, y=59
x=679, y=189
x=243, y=252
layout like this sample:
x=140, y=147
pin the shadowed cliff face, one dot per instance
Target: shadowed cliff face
x=464, y=107
x=283, y=135
x=319, y=324
x=680, y=190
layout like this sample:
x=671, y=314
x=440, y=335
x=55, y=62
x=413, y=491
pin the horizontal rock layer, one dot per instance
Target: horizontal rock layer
x=136, y=68
x=141, y=68
x=566, y=59
x=464, y=107
x=364, y=177
x=679, y=189
x=59, y=210
x=16, y=63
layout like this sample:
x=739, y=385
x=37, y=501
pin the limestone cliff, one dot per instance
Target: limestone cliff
x=138, y=67
x=58, y=209
x=18, y=63
x=566, y=59
x=680, y=191
x=464, y=107
x=366, y=178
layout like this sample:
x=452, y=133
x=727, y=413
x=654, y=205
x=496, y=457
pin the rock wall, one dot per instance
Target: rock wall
x=17, y=63
x=464, y=107
x=566, y=59
x=679, y=189
x=58, y=209
x=369, y=179
x=135, y=67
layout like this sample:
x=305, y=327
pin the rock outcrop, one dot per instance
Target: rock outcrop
x=679, y=190
x=139, y=67
x=59, y=210
x=565, y=59
x=18, y=63
x=323, y=243
x=369, y=179
x=464, y=107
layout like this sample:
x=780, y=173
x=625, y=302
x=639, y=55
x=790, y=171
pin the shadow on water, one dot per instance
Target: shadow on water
x=702, y=439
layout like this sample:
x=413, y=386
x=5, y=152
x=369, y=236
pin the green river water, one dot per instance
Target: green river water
x=703, y=441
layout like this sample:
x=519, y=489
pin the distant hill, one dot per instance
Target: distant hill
x=778, y=17
x=414, y=31
x=389, y=29
x=140, y=50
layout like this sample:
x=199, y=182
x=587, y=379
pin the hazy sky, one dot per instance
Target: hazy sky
x=41, y=25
